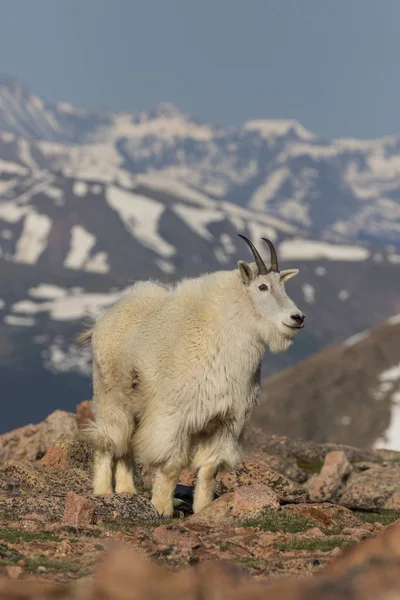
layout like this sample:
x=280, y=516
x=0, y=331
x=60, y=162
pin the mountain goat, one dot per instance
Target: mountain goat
x=176, y=375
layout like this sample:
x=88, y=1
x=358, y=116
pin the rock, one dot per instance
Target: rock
x=44, y=507
x=29, y=477
x=279, y=445
x=380, y=550
x=371, y=489
x=393, y=502
x=285, y=465
x=31, y=442
x=244, y=503
x=79, y=511
x=325, y=514
x=250, y=473
x=129, y=508
x=388, y=455
x=14, y=571
x=84, y=413
x=177, y=541
x=69, y=454
x=335, y=469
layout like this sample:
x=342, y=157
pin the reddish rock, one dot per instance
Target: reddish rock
x=250, y=473
x=31, y=442
x=394, y=501
x=335, y=469
x=69, y=454
x=381, y=549
x=14, y=571
x=370, y=489
x=326, y=514
x=244, y=503
x=179, y=542
x=79, y=511
x=84, y=413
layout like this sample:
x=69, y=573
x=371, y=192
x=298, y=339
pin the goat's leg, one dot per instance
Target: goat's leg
x=204, y=490
x=164, y=485
x=124, y=475
x=219, y=451
x=102, y=473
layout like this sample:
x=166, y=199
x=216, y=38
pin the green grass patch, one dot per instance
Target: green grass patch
x=13, y=536
x=224, y=547
x=311, y=467
x=314, y=545
x=384, y=516
x=245, y=560
x=32, y=564
x=281, y=521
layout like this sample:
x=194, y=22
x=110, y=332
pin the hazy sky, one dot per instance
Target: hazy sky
x=331, y=64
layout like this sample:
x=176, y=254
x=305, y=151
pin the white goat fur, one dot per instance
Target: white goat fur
x=176, y=374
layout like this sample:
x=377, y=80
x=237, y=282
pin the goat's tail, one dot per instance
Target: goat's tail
x=85, y=336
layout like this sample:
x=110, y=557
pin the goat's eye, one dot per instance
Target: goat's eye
x=263, y=287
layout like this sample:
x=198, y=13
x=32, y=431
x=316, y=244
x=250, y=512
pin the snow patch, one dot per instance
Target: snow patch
x=60, y=359
x=227, y=243
x=388, y=380
x=33, y=239
x=301, y=249
x=141, y=216
x=19, y=321
x=98, y=263
x=80, y=188
x=47, y=291
x=220, y=255
x=198, y=218
x=165, y=265
x=355, y=339
x=74, y=305
x=308, y=293
x=7, y=166
x=268, y=190
x=277, y=127
x=395, y=320
x=81, y=244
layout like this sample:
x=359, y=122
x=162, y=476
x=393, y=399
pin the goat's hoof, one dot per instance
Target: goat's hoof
x=127, y=489
x=165, y=511
x=102, y=492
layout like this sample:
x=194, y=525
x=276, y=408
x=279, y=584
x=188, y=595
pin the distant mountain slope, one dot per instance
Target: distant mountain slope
x=344, y=190
x=349, y=392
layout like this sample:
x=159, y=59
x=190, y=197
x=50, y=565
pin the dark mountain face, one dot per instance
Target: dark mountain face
x=347, y=393
x=91, y=201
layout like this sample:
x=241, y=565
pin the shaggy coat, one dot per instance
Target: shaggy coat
x=176, y=375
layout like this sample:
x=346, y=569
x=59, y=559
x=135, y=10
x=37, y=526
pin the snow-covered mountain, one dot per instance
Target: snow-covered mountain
x=92, y=200
x=339, y=189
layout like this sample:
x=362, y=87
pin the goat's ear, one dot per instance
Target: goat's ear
x=288, y=274
x=246, y=272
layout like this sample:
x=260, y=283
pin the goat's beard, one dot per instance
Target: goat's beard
x=276, y=340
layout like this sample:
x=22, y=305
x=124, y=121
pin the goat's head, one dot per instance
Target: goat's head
x=280, y=319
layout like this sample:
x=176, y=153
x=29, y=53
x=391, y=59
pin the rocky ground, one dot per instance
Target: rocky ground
x=297, y=520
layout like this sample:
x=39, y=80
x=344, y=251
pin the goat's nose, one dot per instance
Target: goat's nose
x=298, y=318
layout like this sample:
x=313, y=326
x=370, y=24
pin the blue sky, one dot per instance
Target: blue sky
x=331, y=64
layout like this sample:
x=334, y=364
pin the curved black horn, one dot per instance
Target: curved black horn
x=274, y=258
x=262, y=269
